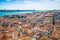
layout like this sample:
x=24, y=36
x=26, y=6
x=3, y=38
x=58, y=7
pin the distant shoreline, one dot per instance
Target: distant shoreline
x=26, y=10
x=14, y=12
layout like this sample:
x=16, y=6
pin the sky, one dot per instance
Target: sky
x=30, y=4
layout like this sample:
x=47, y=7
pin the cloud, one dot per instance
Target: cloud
x=8, y=0
x=35, y=5
x=56, y=0
x=32, y=4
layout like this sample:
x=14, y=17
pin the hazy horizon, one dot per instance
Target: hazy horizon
x=30, y=4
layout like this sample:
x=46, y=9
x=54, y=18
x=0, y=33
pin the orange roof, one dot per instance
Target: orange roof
x=51, y=25
x=48, y=15
x=55, y=34
x=11, y=29
x=57, y=25
x=1, y=28
x=45, y=30
x=41, y=25
x=58, y=28
x=57, y=20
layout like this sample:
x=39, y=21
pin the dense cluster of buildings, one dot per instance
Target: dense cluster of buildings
x=31, y=26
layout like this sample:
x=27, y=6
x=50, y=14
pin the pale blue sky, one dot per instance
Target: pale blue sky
x=30, y=4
